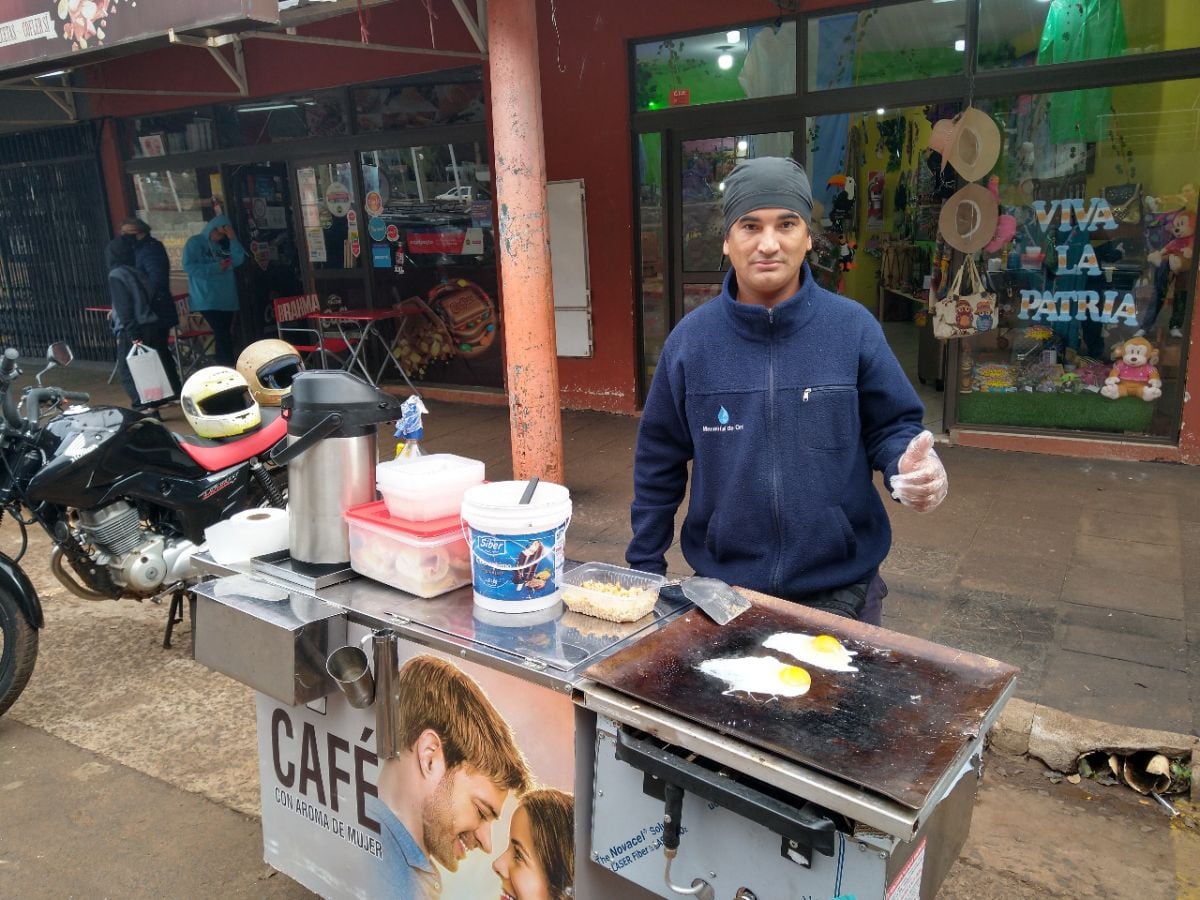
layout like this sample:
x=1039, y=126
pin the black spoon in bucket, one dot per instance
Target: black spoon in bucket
x=529, y=489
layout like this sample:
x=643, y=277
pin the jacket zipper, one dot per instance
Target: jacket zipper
x=774, y=452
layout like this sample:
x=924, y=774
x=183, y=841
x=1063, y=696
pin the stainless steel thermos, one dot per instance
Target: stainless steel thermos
x=332, y=421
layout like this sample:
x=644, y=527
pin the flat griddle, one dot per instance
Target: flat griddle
x=894, y=727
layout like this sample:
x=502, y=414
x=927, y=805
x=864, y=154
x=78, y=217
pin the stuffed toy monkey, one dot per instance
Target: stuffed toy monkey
x=1134, y=372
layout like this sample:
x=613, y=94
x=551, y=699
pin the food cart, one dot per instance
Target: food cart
x=863, y=787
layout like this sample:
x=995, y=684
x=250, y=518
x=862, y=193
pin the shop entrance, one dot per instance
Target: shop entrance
x=260, y=205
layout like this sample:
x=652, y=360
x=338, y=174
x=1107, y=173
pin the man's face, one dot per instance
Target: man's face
x=130, y=231
x=458, y=815
x=766, y=248
x=217, y=234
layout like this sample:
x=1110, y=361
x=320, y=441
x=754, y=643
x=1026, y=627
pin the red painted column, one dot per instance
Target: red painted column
x=523, y=241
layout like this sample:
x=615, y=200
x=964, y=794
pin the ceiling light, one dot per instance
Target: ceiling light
x=266, y=107
x=54, y=74
x=721, y=187
x=724, y=61
x=880, y=111
x=743, y=146
x=733, y=36
x=960, y=45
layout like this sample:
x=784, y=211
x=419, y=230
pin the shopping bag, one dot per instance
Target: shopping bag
x=149, y=376
x=966, y=309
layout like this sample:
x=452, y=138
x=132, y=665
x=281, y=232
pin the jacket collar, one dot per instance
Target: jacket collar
x=760, y=324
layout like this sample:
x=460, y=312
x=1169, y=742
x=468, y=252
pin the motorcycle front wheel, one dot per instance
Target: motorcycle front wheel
x=18, y=651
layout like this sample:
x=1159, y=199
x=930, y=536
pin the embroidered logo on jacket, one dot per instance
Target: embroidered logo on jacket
x=722, y=423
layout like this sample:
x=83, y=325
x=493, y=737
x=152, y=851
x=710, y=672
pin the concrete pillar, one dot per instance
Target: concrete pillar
x=523, y=241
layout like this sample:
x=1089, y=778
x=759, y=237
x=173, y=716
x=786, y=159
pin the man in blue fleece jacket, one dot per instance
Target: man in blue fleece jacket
x=785, y=397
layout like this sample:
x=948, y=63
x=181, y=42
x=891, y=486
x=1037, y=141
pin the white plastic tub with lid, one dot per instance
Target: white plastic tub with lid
x=427, y=487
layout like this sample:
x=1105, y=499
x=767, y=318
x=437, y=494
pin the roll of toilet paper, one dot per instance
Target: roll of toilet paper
x=247, y=534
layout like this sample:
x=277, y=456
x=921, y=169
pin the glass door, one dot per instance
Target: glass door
x=261, y=209
x=333, y=240
x=684, y=260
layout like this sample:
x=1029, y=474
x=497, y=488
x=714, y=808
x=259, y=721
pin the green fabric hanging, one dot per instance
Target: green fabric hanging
x=1078, y=30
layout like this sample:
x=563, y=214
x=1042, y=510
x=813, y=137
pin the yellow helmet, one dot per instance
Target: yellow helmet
x=269, y=367
x=218, y=404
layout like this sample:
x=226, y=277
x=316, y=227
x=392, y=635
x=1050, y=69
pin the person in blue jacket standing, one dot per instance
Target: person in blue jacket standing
x=150, y=258
x=209, y=259
x=785, y=398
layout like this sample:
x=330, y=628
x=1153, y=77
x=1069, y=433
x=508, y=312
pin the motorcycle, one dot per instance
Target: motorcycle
x=124, y=500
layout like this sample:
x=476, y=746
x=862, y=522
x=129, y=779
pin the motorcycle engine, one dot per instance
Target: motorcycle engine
x=139, y=560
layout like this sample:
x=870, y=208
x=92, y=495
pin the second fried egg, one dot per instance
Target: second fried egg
x=823, y=651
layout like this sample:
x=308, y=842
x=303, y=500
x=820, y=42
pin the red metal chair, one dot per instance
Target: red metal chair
x=310, y=338
x=192, y=340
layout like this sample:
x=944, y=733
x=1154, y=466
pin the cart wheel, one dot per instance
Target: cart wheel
x=920, y=379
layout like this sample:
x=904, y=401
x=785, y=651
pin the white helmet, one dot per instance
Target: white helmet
x=218, y=404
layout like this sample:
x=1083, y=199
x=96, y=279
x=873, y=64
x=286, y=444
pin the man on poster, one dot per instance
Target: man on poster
x=438, y=799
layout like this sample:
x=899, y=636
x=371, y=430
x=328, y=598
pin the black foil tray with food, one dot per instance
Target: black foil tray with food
x=893, y=727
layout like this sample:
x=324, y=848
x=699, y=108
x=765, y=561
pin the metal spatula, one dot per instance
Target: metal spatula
x=719, y=601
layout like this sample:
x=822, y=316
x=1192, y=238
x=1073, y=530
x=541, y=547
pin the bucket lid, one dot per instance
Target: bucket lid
x=376, y=513
x=506, y=495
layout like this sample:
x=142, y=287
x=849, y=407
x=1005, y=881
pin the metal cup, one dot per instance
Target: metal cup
x=348, y=667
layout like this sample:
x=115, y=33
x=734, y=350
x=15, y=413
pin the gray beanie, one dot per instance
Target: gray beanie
x=768, y=182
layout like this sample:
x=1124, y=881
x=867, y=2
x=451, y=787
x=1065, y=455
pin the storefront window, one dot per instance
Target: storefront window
x=1036, y=33
x=901, y=42
x=735, y=64
x=1096, y=284
x=168, y=133
x=176, y=204
x=282, y=119
x=655, y=304
x=432, y=253
x=419, y=105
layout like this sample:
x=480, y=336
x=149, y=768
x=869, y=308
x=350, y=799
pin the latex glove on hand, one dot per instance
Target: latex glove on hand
x=921, y=482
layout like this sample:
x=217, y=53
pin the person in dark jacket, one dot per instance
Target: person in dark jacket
x=132, y=316
x=785, y=398
x=150, y=258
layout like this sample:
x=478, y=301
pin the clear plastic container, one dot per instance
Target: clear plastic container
x=421, y=558
x=427, y=487
x=631, y=582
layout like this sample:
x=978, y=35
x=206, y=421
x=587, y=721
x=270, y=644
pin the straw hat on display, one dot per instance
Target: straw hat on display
x=968, y=218
x=970, y=142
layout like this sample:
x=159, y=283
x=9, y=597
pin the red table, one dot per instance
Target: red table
x=366, y=323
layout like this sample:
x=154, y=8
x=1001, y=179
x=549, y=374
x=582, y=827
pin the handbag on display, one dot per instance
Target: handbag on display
x=1125, y=201
x=149, y=376
x=967, y=308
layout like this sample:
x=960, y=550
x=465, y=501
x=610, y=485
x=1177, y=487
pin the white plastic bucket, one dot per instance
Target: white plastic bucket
x=517, y=551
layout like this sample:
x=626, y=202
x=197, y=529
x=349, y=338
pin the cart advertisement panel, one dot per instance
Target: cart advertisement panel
x=478, y=802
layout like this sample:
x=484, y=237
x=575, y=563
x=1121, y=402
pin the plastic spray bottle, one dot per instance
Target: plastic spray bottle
x=409, y=429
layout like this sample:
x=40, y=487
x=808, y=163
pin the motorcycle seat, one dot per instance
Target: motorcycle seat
x=213, y=456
